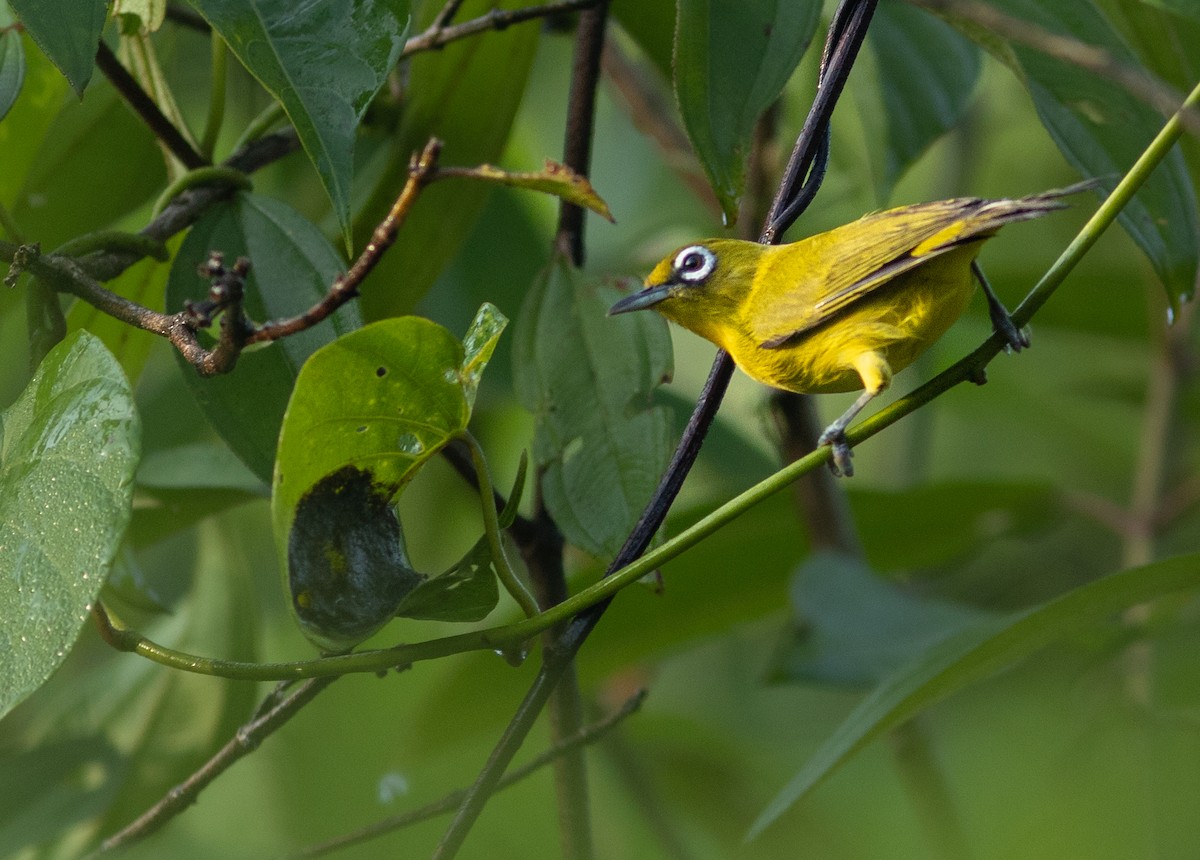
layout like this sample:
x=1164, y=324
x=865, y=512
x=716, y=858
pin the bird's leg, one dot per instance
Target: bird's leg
x=876, y=375
x=1014, y=339
x=835, y=437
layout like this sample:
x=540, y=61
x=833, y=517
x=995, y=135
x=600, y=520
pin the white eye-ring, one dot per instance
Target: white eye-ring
x=694, y=264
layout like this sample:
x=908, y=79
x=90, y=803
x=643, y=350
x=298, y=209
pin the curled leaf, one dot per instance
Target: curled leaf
x=556, y=179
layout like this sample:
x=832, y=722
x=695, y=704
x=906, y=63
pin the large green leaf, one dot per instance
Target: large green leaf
x=1101, y=129
x=975, y=654
x=68, y=450
x=61, y=194
x=368, y=411
x=732, y=59
x=927, y=73
x=323, y=62
x=67, y=31
x=460, y=95
x=601, y=442
x=650, y=23
x=23, y=131
x=293, y=265
x=853, y=628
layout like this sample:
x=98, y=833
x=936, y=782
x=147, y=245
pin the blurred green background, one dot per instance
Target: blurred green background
x=996, y=498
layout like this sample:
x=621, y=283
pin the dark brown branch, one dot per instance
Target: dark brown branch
x=439, y=33
x=246, y=740
x=1138, y=82
x=581, y=117
x=144, y=106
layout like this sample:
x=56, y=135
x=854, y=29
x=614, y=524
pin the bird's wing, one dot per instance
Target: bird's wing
x=832, y=277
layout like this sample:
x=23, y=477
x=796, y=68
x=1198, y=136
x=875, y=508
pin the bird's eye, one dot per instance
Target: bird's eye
x=694, y=263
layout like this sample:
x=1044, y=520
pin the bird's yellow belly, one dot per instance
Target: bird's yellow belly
x=898, y=322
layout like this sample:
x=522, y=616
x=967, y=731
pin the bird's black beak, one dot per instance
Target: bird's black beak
x=641, y=300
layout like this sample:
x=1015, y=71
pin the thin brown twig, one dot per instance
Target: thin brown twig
x=439, y=33
x=246, y=740
x=65, y=274
x=585, y=736
x=421, y=172
x=1138, y=82
x=144, y=106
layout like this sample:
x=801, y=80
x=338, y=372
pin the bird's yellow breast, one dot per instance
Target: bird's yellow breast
x=899, y=321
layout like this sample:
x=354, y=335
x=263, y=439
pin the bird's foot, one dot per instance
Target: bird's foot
x=1015, y=339
x=840, y=463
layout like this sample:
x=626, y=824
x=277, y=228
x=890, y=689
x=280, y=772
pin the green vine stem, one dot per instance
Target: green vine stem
x=510, y=638
x=228, y=176
x=491, y=524
x=216, y=99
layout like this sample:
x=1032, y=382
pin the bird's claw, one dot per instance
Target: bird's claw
x=1015, y=339
x=840, y=463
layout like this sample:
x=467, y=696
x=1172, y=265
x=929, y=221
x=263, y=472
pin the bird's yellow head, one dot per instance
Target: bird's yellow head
x=699, y=286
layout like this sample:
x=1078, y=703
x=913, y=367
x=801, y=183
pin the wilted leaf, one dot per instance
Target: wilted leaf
x=554, y=178
x=367, y=412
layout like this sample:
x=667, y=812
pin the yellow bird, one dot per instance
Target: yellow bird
x=845, y=309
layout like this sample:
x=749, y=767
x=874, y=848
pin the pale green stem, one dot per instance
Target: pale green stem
x=260, y=125
x=511, y=637
x=216, y=99
x=491, y=525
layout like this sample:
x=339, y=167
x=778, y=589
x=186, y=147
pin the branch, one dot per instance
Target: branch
x=245, y=740
x=440, y=33
x=422, y=170
x=845, y=37
x=144, y=107
x=584, y=737
x=1137, y=81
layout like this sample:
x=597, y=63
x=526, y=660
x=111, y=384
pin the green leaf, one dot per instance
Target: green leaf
x=367, y=412
x=466, y=592
x=732, y=59
x=589, y=379
x=1186, y=8
x=67, y=31
x=68, y=450
x=853, y=628
x=467, y=94
x=927, y=73
x=23, y=133
x=57, y=193
x=293, y=266
x=12, y=62
x=652, y=26
x=323, y=62
x=977, y=653
x=1101, y=130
